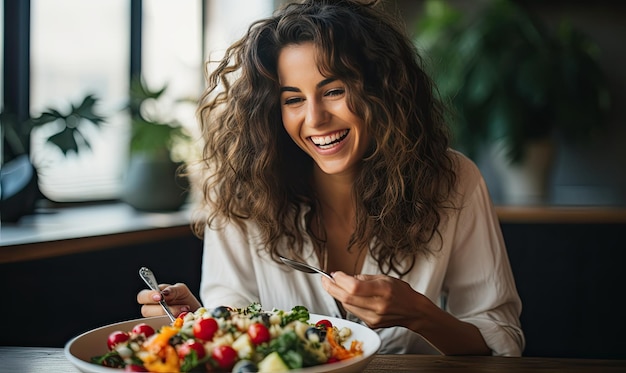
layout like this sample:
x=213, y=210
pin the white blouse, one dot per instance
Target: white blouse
x=469, y=274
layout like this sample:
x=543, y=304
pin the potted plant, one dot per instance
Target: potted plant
x=512, y=83
x=19, y=176
x=153, y=181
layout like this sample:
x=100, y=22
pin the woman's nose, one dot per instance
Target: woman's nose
x=317, y=114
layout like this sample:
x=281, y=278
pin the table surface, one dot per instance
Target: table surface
x=49, y=359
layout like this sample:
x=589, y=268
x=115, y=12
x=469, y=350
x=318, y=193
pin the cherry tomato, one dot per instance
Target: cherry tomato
x=116, y=338
x=224, y=356
x=204, y=329
x=258, y=333
x=331, y=360
x=144, y=329
x=191, y=345
x=134, y=368
x=325, y=324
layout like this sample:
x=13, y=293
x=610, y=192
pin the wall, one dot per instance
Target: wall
x=46, y=302
x=570, y=278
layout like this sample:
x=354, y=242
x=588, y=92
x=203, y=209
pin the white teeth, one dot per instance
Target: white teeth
x=327, y=140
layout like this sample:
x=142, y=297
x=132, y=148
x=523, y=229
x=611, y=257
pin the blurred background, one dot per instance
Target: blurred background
x=56, y=53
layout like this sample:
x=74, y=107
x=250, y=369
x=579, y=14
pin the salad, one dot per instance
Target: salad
x=230, y=339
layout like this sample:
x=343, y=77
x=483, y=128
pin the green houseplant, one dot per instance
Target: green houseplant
x=20, y=190
x=153, y=181
x=511, y=80
x=68, y=138
x=516, y=88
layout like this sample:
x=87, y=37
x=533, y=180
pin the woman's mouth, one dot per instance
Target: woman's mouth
x=328, y=141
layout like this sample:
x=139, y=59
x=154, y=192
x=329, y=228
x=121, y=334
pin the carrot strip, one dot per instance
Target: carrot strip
x=340, y=352
x=161, y=340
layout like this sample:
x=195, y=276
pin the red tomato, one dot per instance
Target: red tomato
x=116, y=338
x=324, y=324
x=144, y=329
x=204, y=329
x=134, y=368
x=182, y=315
x=258, y=333
x=224, y=356
x=191, y=345
x=331, y=360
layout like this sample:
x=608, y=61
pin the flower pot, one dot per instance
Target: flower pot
x=19, y=190
x=526, y=182
x=153, y=184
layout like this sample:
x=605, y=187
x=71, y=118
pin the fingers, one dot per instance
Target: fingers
x=373, y=293
x=147, y=296
x=178, y=297
x=358, y=285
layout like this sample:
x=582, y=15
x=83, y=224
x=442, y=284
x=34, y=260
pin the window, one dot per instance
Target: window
x=1, y=85
x=79, y=48
x=172, y=57
x=228, y=20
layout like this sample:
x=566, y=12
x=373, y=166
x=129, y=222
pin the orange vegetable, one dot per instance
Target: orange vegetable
x=160, y=341
x=166, y=361
x=340, y=352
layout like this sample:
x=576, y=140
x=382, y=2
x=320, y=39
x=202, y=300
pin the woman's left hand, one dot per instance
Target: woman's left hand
x=379, y=300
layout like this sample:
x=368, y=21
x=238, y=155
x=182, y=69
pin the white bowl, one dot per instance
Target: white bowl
x=82, y=348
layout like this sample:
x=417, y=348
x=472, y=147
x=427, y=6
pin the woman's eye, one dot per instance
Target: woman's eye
x=293, y=100
x=335, y=92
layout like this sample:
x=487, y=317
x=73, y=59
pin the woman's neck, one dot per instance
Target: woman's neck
x=337, y=222
x=335, y=195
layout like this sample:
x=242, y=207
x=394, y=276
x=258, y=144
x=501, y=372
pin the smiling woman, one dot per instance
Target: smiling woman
x=308, y=101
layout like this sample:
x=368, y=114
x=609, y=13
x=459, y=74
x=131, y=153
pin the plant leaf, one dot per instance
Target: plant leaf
x=86, y=110
x=65, y=141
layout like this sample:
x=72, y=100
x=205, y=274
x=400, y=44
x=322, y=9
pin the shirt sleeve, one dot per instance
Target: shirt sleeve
x=228, y=277
x=479, y=284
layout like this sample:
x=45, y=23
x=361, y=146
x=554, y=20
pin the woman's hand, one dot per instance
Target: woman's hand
x=178, y=297
x=382, y=301
x=378, y=300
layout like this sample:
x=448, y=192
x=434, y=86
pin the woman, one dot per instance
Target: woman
x=324, y=142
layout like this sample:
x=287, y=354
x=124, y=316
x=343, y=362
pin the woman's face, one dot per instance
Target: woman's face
x=315, y=112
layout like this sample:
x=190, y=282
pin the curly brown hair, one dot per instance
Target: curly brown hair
x=255, y=172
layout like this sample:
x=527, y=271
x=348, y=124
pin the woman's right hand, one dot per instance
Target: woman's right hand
x=178, y=297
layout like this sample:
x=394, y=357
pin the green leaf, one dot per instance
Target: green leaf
x=86, y=110
x=111, y=359
x=288, y=346
x=139, y=93
x=297, y=313
x=47, y=117
x=65, y=141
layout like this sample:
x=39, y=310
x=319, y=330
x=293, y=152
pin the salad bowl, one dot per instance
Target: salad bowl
x=80, y=349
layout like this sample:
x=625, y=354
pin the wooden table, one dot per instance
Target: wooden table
x=48, y=359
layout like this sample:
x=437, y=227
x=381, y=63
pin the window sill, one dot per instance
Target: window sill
x=561, y=214
x=55, y=231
